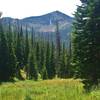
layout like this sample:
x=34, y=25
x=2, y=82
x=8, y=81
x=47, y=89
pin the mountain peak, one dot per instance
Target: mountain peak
x=57, y=11
x=43, y=24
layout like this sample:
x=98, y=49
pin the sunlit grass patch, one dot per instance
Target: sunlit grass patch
x=56, y=89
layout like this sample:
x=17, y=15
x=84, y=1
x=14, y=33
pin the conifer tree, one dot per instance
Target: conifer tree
x=86, y=42
x=33, y=38
x=38, y=56
x=43, y=70
x=52, y=71
x=26, y=50
x=78, y=36
x=12, y=61
x=32, y=67
x=48, y=67
x=58, y=50
x=64, y=69
x=4, y=55
x=20, y=53
x=70, y=72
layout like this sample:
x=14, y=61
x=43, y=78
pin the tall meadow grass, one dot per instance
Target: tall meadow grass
x=57, y=89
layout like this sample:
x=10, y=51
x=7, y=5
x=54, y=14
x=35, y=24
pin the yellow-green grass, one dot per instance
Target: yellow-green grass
x=57, y=89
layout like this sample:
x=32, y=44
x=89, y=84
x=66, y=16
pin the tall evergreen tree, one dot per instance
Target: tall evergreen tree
x=48, y=59
x=32, y=67
x=12, y=61
x=86, y=42
x=20, y=53
x=52, y=71
x=43, y=69
x=64, y=68
x=68, y=53
x=4, y=55
x=58, y=49
x=26, y=50
x=33, y=38
x=38, y=54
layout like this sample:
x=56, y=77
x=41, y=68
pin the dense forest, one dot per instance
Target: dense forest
x=23, y=55
x=24, y=52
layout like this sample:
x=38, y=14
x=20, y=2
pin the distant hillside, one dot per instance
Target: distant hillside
x=44, y=24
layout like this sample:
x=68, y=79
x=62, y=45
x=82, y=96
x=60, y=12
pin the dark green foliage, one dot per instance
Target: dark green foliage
x=70, y=70
x=43, y=64
x=26, y=50
x=38, y=56
x=58, y=50
x=20, y=48
x=27, y=56
x=20, y=53
x=78, y=37
x=32, y=67
x=50, y=60
x=33, y=38
x=86, y=42
x=64, y=70
x=12, y=57
x=5, y=73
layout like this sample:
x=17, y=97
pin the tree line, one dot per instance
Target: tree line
x=23, y=55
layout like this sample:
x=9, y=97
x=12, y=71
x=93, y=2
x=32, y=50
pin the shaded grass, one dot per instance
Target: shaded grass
x=58, y=89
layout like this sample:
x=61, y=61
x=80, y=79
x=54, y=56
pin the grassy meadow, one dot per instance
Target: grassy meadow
x=57, y=89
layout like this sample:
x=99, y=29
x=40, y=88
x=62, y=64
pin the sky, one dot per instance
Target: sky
x=25, y=8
